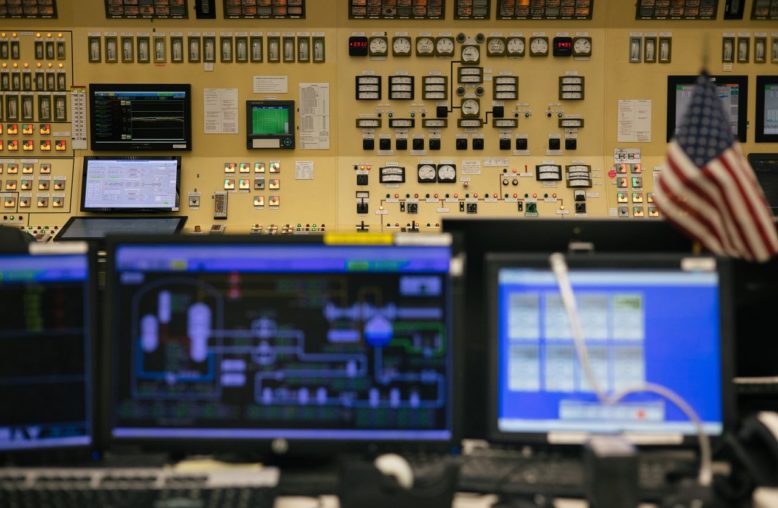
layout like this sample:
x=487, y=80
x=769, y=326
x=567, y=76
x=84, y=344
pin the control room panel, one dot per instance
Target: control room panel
x=367, y=115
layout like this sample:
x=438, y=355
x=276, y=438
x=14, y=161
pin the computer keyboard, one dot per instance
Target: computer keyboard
x=136, y=488
x=505, y=471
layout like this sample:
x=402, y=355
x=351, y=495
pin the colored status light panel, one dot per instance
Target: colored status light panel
x=42, y=9
x=121, y=9
x=765, y=9
x=472, y=9
x=676, y=9
x=396, y=9
x=264, y=9
x=544, y=9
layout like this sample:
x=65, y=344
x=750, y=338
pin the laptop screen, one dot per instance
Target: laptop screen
x=644, y=319
x=292, y=339
x=45, y=381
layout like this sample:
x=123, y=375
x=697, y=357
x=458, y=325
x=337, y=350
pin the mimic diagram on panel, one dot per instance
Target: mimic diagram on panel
x=362, y=346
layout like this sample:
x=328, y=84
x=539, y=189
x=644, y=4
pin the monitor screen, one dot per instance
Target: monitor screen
x=130, y=184
x=45, y=381
x=645, y=319
x=767, y=109
x=765, y=166
x=232, y=339
x=97, y=228
x=270, y=124
x=140, y=117
x=733, y=92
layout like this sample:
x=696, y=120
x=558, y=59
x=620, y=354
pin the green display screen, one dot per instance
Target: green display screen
x=269, y=120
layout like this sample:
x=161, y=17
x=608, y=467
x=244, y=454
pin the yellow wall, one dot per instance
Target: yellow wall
x=329, y=198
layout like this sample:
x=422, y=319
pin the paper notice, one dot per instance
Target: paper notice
x=634, y=121
x=221, y=110
x=315, y=116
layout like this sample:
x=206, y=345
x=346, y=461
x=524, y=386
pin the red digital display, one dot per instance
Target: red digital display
x=563, y=46
x=357, y=46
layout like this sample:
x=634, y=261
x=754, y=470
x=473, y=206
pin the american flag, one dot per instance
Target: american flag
x=708, y=188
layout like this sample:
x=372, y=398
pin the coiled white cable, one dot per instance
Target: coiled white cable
x=559, y=266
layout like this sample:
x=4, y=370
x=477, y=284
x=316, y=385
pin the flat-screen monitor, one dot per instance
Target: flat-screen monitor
x=45, y=349
x=767, y=109
x=270, y=124
x=477, y=236
x=765, y=166
x=98, y=228
x=733, y=92
x=140, y=117
x=215, y=342
x=646, y=318
x=130, y=184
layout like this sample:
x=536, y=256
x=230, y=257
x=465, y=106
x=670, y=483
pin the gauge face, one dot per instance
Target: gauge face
x=515, y=46
x=582, y=46
x=471, y=54
x=538, y=46
x=401, y=46
x=424, y=46
x=426, y=173
x=447, y=173
x=470, y=107
x=444, y=46
x=378, y=46
x=495, y=46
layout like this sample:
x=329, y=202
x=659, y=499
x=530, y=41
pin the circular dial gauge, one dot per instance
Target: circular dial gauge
x=378, y=46
x=495, y=46
x=444, y=46
x=426, y=173
x=471, y=54
x=515, y=46
x=401, y=46
x=447, y=173
x=425, y=46
x=470, y=107
x=582, y=46
x=538, y=46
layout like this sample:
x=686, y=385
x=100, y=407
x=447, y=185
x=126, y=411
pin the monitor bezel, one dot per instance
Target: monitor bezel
x=496, y=261
x=54, y=454
x=268, y=448
x=740, y=80
x=61, y=236
x=761, y=83
x=84, y=176
x=138, y=146
x=250, y=137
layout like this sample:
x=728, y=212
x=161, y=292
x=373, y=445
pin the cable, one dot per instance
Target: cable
x=559, y=266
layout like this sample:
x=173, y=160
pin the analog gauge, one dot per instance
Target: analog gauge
x=582, y=46
x=401, y=46
x=538, y=46
x=426, y=173
x=378, y=46
x=495, y=46
x=444, y=46
x=424, y=46
x=471, y=107
x=447, y=173
x=515, y=46
x=471, y=54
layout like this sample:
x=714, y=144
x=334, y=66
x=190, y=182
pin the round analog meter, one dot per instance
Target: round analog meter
x=425, y=173
x=582, y=46
x=401, y=46
x=495, y=46
x=425, y=46
x=515, y=46
x=447, y=173
x=538, y=46
x=471, y=107
x=378, y=46
x=444, y=46
x=471, y=54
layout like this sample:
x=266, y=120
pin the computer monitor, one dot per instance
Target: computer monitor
x=130, y=184
x=140, y=117
x=767, y=109
x=270, y=124
x=646, y=318
x=289, y=343
x=45, y=350
x=765, y=166
x=476, y=236
x=96, y=229
x=733, y=92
